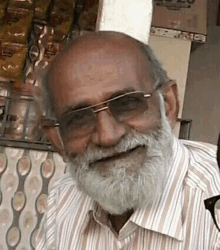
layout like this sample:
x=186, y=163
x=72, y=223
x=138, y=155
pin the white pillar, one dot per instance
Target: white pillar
x=132, y=17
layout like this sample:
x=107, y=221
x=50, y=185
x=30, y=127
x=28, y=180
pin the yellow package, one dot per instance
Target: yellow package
x=12, y=60
x=17, y=25
x=3, y=6
x=41, y=8
x=61, y=18
x=21, y=4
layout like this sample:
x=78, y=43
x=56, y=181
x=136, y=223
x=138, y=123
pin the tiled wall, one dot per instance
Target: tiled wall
x=25, y=179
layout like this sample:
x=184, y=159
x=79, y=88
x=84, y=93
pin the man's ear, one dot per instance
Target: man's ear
x=171, y=101
x=53, y=135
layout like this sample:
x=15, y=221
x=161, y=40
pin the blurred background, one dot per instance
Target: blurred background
x=186, y=36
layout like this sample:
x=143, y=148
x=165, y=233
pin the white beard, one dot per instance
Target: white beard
x=123, y=190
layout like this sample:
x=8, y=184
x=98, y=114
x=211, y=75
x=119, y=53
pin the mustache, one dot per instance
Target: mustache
x=120, y=153
x=129, y=142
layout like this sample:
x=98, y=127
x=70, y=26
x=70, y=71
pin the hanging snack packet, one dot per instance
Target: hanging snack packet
x=61, y=18
x=3, y=6
x=88, y=16
x=12, y=60
x=41, y=10
x=51, y=50
x=17, y=24
x=21, y=4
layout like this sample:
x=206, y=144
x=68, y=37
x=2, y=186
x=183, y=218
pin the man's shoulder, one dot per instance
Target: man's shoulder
x=63, y=185
x=64, y=180
x=201, y=153
x=66, y=196
x=201, y=149
x=203, y=171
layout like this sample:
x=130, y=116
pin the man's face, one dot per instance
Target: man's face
x=116, y=153
x=86, y=77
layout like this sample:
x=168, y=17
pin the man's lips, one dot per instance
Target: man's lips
x=122, y=155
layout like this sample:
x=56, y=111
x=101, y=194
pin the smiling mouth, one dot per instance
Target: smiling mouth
x=122, y=155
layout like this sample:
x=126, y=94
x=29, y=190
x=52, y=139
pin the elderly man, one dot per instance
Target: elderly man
x=130, y=183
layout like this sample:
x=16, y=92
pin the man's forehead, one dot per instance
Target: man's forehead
x=98, y=63
x=100, y=45
x=88, y=53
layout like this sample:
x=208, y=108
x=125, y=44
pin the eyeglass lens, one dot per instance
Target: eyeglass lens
x=78, y=123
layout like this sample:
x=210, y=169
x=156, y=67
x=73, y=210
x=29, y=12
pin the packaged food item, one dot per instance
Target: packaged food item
x=61, y=31
x=88, y=16
x=61, y=18
x=41, y=10
x=3, y=5
x=17, y=25
x=60, y=8
x=12, y=60
x=51, y=50
x=21, y=4
x=52, y=47
x=2, y=30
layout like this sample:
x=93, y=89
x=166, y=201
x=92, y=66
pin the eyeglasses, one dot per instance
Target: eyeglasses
x=76, y=123
x=213, y=205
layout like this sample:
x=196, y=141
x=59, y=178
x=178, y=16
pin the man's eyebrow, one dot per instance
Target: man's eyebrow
x=85, y=104
x=120, y=92
x=80, y=105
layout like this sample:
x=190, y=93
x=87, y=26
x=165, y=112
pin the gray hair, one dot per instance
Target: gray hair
x=157, y=69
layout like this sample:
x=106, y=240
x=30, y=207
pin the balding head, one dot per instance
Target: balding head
x=104, y=41
x=111, y=46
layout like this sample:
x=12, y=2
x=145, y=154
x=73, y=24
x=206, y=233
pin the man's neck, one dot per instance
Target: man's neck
x=118, y=221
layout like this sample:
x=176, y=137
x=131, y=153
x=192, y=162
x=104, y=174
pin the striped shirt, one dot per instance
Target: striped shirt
x=176, y=221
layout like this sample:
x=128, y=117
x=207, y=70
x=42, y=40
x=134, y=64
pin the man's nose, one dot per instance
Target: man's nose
x=109, y=131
